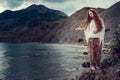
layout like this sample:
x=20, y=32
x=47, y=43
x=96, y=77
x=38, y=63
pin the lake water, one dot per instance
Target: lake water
x=34, y=61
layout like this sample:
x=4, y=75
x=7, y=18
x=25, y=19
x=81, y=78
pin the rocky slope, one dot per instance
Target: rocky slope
x=30, y=17
x=54, y=26
x=67, y=33
x=55, y=32
x=110, y=16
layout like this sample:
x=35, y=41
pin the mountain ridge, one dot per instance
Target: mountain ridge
x=62, y=31
x=32, y=16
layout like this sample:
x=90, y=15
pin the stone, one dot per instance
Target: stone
x=85, y=53
x=86, y=64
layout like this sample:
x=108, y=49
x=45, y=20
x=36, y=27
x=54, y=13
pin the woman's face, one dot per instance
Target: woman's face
x=91, y=14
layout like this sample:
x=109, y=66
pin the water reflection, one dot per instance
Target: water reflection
x=3, y=62
x=37, y=61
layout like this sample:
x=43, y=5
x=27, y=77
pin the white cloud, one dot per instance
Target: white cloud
x=72, y=6
x=2, y=9
x=68, y=6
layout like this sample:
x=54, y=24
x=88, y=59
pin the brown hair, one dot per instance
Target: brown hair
x=98, y=22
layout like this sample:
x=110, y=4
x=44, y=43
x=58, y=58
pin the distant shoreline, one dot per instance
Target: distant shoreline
x=45, y=43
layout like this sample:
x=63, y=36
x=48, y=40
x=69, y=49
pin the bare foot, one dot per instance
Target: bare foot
x=93, y=68
x=98, y=68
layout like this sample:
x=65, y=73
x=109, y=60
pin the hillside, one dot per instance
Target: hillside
x=30, y=17
x=110, y=16
x=68, y=34
x=57, y=28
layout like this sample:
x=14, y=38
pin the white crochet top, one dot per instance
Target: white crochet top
x=89, y=32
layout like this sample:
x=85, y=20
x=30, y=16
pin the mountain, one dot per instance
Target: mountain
x=42, y=34
x=30, y=17
x=62, y=29
x=59, y=31
x=111, y=17
x=67, y=34
x=55, y=32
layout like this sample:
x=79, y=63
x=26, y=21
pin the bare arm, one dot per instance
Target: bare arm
x=81, y=28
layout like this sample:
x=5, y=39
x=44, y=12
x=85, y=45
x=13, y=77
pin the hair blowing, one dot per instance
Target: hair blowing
x=97, y=19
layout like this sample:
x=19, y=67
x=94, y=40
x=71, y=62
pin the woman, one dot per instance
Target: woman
x=94, y=30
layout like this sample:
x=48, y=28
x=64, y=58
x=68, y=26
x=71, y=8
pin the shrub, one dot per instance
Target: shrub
x=116, y=46
x=80, y=40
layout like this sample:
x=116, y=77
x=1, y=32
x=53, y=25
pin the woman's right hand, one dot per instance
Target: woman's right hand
x=77, y=29
x=80, y=28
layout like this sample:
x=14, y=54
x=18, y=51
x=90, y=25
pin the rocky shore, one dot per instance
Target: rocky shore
x=110, y=69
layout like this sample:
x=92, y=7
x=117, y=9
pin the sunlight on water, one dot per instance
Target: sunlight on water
x=3, y=61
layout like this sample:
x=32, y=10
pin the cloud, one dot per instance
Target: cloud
x=14, y=4
x=55, y=1
x=67, y=6
x=11, y=3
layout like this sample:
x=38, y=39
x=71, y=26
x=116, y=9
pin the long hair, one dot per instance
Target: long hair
x=97, y=19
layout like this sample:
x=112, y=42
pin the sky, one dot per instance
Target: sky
x=67, y=6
